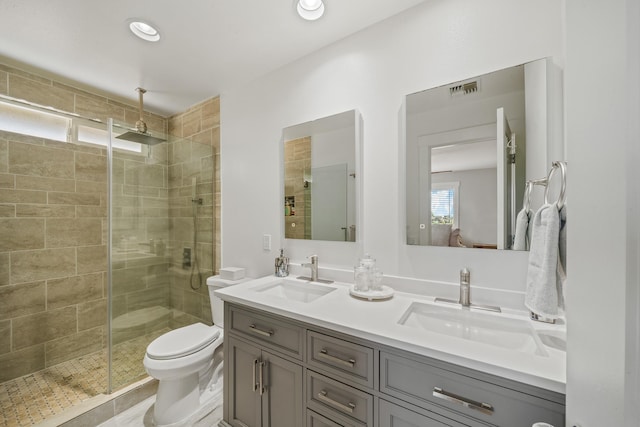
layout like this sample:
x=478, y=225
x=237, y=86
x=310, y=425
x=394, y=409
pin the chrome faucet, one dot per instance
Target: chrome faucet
x=314, y=271
x=465, y=288
x=465, y=294
x=314, y=267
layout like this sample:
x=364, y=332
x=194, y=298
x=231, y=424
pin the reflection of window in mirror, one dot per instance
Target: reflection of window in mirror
x=444, y=203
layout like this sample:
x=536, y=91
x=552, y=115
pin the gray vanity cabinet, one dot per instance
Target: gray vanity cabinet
x=264, y=390
x=284, y=373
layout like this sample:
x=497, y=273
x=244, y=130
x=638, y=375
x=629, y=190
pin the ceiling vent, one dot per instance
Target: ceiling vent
x=464, y=88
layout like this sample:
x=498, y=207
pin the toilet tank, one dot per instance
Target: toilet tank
x=217, y=305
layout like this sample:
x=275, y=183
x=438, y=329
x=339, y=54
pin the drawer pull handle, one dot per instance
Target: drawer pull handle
x=349, y=407
x=485, y=408
x=255, y=329
x=255, y=382
x=325, y=355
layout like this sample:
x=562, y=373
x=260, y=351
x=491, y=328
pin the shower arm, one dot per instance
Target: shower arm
x=141, y=126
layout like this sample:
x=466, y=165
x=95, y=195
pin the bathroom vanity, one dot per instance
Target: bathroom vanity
x=304, y=354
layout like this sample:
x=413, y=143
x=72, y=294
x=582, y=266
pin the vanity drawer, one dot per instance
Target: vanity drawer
x=340, y=357
x=274, y=333
x=426, y=385
x=330, y=396
x=317, y=420
x=391, y=415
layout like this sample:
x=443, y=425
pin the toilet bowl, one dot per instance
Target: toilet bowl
x=183, y=362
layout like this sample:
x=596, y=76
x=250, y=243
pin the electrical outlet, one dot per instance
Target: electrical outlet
x=186, y=257
x=266, y=242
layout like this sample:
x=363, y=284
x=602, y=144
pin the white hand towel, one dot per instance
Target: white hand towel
x=542, y=285
x=561, y=275
x=523, y=233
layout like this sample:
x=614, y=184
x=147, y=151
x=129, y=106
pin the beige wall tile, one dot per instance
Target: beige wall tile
x=42, y=327
x=11, y=70
x=4, y=156
x=23, y=299
x=211, y=113
x=91, y=211
x=63, y=232
x=30, y=266
x=193, y=304
x=191, y=123
x=26, y=182
x=19, y=234
x=175, y=126
x=90, y=168
x=145, y=175
x=5, y=336
x=148, y=298
x=56, y=198
x=19, y=363
x=44, y=211
x=73, y=290
x=92, y=314
x=22, y=196
x=76, y=345
x=28, y=159
x=40, y=93
x=7, y=180
x=7, y=211
x=92, y=259
x=97, y=108
x=3, y=82
x=91, y=186
x=179, y=152
x=203, y=138
x=128, y=280
x=4, y=268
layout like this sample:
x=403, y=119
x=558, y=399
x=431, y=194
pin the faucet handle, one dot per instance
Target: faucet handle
x=313, y=258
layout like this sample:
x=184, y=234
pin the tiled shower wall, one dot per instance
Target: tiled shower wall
x=297, y=167
x=195, y=155
x=53, y=232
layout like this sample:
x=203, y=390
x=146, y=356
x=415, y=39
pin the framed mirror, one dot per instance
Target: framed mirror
x=320, y=179
x=470, y=147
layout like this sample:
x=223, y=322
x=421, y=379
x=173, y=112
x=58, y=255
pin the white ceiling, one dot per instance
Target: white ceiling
x=206, y=46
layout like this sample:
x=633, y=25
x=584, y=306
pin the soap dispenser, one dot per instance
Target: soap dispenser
x=282, y=265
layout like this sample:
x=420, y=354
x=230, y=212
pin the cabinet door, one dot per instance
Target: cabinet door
x=396, y=416
x=282, y=404
x=244, y=403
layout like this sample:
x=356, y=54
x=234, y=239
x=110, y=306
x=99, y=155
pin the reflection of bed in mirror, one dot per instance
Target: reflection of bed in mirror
x=470, y=146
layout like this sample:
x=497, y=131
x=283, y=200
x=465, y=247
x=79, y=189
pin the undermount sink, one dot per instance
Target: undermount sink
x=294, y=290
x=492, y=329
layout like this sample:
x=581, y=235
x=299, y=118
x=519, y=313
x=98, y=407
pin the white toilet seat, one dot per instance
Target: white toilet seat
x=182, y=342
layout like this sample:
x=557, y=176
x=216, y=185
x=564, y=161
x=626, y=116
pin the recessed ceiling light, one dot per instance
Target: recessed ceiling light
x=310, y=9
x=144, y=30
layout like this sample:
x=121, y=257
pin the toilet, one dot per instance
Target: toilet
x=187, y=362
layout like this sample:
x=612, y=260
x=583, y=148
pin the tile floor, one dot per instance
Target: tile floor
x=33, y=398
x=141, y=415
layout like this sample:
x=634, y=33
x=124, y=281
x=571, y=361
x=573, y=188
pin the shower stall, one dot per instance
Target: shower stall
x=105, y=244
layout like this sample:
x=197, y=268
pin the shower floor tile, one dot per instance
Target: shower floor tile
x=33, y=398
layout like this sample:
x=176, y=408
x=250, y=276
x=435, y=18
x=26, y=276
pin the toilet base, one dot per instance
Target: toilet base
x=176, y=399
x=210, y=407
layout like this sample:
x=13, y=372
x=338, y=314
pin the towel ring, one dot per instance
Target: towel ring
x=563, y=171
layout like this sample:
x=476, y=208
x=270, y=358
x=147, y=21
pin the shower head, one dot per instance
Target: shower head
x=140, y=134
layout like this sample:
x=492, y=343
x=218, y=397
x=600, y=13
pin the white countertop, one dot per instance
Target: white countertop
x=377, y=321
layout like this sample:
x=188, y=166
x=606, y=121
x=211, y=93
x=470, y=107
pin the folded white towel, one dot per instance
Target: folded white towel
x=542, y=285
x=523, y=231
